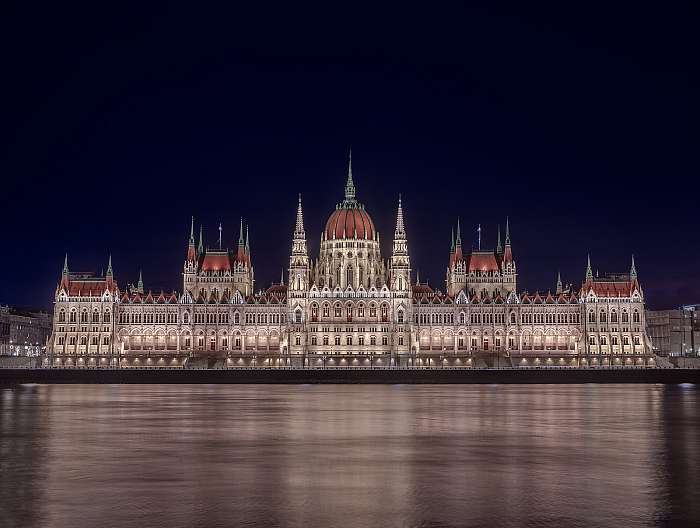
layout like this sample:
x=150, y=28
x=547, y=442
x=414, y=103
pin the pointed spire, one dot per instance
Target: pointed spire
x=241, y=241
x=200, y=249
x=459, y=235
x=299, y=228
x=559, y=286
x=110, y=273
x=282, y=277
x=499, y=247
x=139, y=284
x=247, y=241
x=417, y=276
x=633, y=270
x=220, y=230
x=400, y=233
x=452, y=245
x=507, y=231
x=65, y=265
x=192, y=232
x=350, y=185
x=589, y=270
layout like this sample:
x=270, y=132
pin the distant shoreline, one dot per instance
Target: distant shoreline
x=345, y=376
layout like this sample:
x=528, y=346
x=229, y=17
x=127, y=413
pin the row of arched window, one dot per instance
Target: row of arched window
x=603, y=316
x=85, y=316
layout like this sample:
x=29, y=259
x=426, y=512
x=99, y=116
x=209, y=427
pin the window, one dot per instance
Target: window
x=72, y=316
x=84, y=316
x=373, y=311
x=337, y=310
x=635, y=317
x=361, y=311
x=637, y=341
x=236, y=318
x=625, y=317
x=95, y=317
x=400, y=340
x=297, y=317
x=385, y=340
x=512, y=318
x=399, y=317
x=62, y=316
x=372, y=340
x=361, y=340
x=348, y=340
x=326, y=310
x=314, y=340
x=613, y=316
x=325, y=340
x=337, y=340
x=603, y=317
x=186, y=318
x=297, y=340
x=591, y=316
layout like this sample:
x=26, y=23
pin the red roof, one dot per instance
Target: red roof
x=350, y=222
x=483, y=262
x=89, y=287
x=610, y=288
x=216, y=262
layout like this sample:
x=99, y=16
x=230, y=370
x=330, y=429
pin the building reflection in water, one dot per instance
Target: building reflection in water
x=356, y=456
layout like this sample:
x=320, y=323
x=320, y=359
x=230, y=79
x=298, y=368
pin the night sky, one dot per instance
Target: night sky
x=577, y=120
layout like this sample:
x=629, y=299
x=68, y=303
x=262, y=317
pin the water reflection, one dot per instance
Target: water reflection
x=349, y=455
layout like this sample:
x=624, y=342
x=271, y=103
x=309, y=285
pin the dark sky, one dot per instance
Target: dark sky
x=577, y=120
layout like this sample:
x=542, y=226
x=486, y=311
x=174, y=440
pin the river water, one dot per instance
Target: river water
x=349, y=455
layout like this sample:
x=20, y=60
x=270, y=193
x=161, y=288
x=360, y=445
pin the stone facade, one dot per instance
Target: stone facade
x=349, y=307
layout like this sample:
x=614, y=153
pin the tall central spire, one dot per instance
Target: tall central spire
x=350, y=186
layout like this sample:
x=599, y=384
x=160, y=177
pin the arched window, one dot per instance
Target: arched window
x=338, y=312
x=591, y=340
x=326, y=310
x=512, y=317
x=236, y=318
x=385, y=312
x=613, y=316
x=95, y=317
x=461, y=318
x=62, y=316
x=635, y=316
x=349, y=276
x=399, y=317
x=186, y=318
x=625, y=317
x=297, y=316
x=84, y=316
x=106, y=317
x=591, y=316
x=603, y=317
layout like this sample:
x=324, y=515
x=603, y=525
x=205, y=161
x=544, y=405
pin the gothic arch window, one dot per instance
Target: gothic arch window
x=326, y=310
x=635, y=316
x=95, y=316
x=591, y=316
x=338, y=311
x=349, y=276
x=625, y=316
x=62, y=316
x=236, y=318
x=461, y=318
x=106, y=317
x=84, y=316
x=399, y=317
x=186, y=318
x=603, y=317
x=297, y=316
x=613, y=316
x=512, y=317
x=385, y=312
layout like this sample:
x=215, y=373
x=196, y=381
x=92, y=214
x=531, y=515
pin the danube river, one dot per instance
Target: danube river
x=349, y=455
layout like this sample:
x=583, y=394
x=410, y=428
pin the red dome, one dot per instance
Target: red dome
x=350, y=222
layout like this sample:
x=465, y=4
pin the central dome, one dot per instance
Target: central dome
x=350, y=220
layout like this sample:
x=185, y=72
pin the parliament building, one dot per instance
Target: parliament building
x=349, y=307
